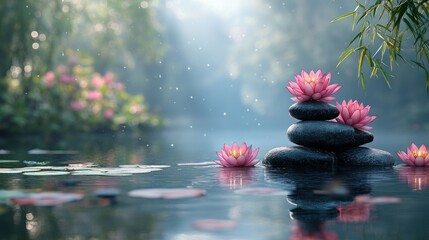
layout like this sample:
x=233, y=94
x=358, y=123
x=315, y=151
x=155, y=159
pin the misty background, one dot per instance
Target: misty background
x=228, y=63
x=212, y=65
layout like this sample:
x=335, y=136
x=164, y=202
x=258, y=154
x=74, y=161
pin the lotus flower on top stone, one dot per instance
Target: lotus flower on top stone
x=313, y=86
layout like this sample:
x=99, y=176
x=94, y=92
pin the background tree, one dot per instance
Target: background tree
x=389, y=30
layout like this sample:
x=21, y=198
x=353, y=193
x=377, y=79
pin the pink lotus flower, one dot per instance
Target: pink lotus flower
x=313, y=86
x=415, y=156
x=236, y=156
x=354, y=114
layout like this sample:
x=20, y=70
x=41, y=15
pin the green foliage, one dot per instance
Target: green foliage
x=37, y=34
x=389, y=30
x=71, y=98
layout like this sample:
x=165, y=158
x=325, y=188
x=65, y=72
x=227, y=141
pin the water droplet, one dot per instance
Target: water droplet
x=189, y=68
x=248, y=110
x=191, y=97
x=224, y=113
x=208, y=64
x=190, y=126
x=177, y=88
x=172, y=145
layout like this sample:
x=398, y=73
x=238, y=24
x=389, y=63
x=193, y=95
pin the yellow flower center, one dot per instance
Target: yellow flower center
x=235, y=154
x=422, y=154
x=311, y=80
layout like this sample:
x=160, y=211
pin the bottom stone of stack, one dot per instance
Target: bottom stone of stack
x=299, y=157
x=364, y=157
x=313, y=158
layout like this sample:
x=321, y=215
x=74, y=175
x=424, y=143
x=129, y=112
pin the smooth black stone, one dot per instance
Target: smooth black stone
x=321, y=134
x=313, y=110
x=313, y=215
x=311, y=201
x=362, y=137
x=327, y=135
x=364, y=157
x=299, y=157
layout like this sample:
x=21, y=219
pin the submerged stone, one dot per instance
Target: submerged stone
x=327, y=135
x=299, y=157
x=313, y=110
x=365, y=157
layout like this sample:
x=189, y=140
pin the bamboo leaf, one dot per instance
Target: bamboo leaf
x=344, y=16
x=362, y=81
x=360, y=61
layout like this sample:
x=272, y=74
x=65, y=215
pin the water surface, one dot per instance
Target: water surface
x=328, y=204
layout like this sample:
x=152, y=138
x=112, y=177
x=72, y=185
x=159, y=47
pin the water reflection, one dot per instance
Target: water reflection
x=236, y=178
x=417, y=178
x=328, y=195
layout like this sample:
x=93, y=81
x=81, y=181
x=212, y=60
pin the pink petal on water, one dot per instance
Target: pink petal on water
x=168, y=193
x=214, y=224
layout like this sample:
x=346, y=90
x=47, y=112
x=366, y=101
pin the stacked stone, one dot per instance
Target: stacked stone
x=325, y=143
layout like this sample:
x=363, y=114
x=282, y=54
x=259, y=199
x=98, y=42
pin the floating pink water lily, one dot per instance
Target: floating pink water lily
x=354, y=114
x=415, y=156
x=312, y=86
x=237, y=156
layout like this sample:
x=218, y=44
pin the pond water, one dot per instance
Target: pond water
x=249, y=203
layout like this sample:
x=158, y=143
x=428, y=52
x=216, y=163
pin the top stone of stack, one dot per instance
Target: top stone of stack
x=313, y=110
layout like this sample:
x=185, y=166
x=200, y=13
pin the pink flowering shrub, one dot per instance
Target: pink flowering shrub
x=72, y=98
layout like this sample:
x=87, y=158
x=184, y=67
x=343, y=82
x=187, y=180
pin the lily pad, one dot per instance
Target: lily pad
x=9, y=161
x=35, y=163
x=47, y=198
x=4, y=151
x=214, y=224
x=10, y=170
x=197, y=163
x=82, y=165
x=97, y=172
x=168, y=193
x=144, y=166
x=46, y=173
x=262, y=191
x=38, y=151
